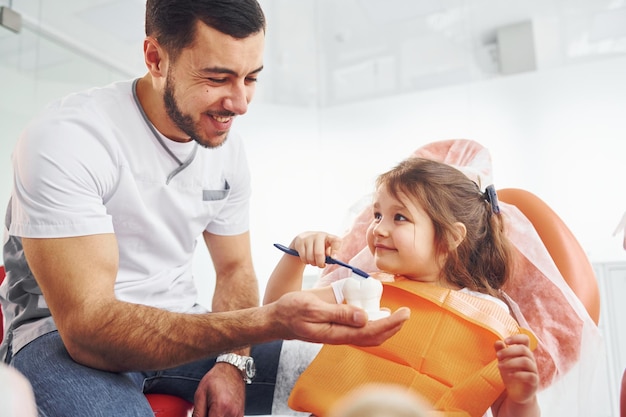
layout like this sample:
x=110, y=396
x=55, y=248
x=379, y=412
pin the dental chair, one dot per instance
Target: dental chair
x=163, y=405
x=554, y=285
x=562, y=245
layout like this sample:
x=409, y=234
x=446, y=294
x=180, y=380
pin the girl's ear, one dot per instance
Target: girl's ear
x=459, y=233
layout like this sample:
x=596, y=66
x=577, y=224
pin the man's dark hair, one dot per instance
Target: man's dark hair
x=173, y=22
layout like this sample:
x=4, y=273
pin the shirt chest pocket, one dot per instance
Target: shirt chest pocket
x=216, y=194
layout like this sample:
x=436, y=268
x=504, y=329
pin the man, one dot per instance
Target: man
x=112, y=188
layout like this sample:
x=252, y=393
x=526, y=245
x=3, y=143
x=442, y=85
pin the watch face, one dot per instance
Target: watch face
x=250, y=368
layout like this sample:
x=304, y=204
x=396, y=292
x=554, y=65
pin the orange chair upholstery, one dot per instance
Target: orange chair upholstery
x=568, y=255
x=163, y=405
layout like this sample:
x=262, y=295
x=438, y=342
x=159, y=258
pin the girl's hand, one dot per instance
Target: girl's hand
x=518, y=368
x=313, y=247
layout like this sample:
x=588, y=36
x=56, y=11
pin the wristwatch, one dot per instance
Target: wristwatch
x=244, y=363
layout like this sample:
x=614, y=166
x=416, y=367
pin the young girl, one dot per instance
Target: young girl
x=440, y=242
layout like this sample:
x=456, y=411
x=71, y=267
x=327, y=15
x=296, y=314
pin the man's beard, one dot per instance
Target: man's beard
x=182, y=121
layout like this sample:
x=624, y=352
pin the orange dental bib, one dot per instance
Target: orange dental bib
x=444, y=352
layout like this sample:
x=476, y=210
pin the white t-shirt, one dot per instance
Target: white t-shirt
x=91, y=164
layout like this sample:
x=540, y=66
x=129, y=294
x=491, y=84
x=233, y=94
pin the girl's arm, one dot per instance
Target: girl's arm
x=518, y=369
x=287, y=275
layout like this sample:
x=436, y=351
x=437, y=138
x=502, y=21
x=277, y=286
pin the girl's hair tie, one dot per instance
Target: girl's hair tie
x=492, y=197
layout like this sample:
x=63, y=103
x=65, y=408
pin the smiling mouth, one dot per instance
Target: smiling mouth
x=221, y=119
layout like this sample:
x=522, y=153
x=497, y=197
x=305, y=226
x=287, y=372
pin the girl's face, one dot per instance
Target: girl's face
x=402, y=238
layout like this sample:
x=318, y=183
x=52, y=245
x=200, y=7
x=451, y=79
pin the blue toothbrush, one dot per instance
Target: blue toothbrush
x=329, y=260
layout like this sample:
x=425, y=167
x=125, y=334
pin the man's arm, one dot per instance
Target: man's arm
x=236, y=286
x=222, y=391
x=77, y=277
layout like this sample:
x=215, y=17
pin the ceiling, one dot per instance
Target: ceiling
x=330, y=52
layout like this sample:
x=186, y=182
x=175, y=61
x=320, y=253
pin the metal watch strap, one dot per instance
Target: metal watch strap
x=245, y=364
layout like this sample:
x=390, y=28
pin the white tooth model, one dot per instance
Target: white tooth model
x=365, y=293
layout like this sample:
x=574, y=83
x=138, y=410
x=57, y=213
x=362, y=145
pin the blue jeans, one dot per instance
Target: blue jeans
x=65, y=388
